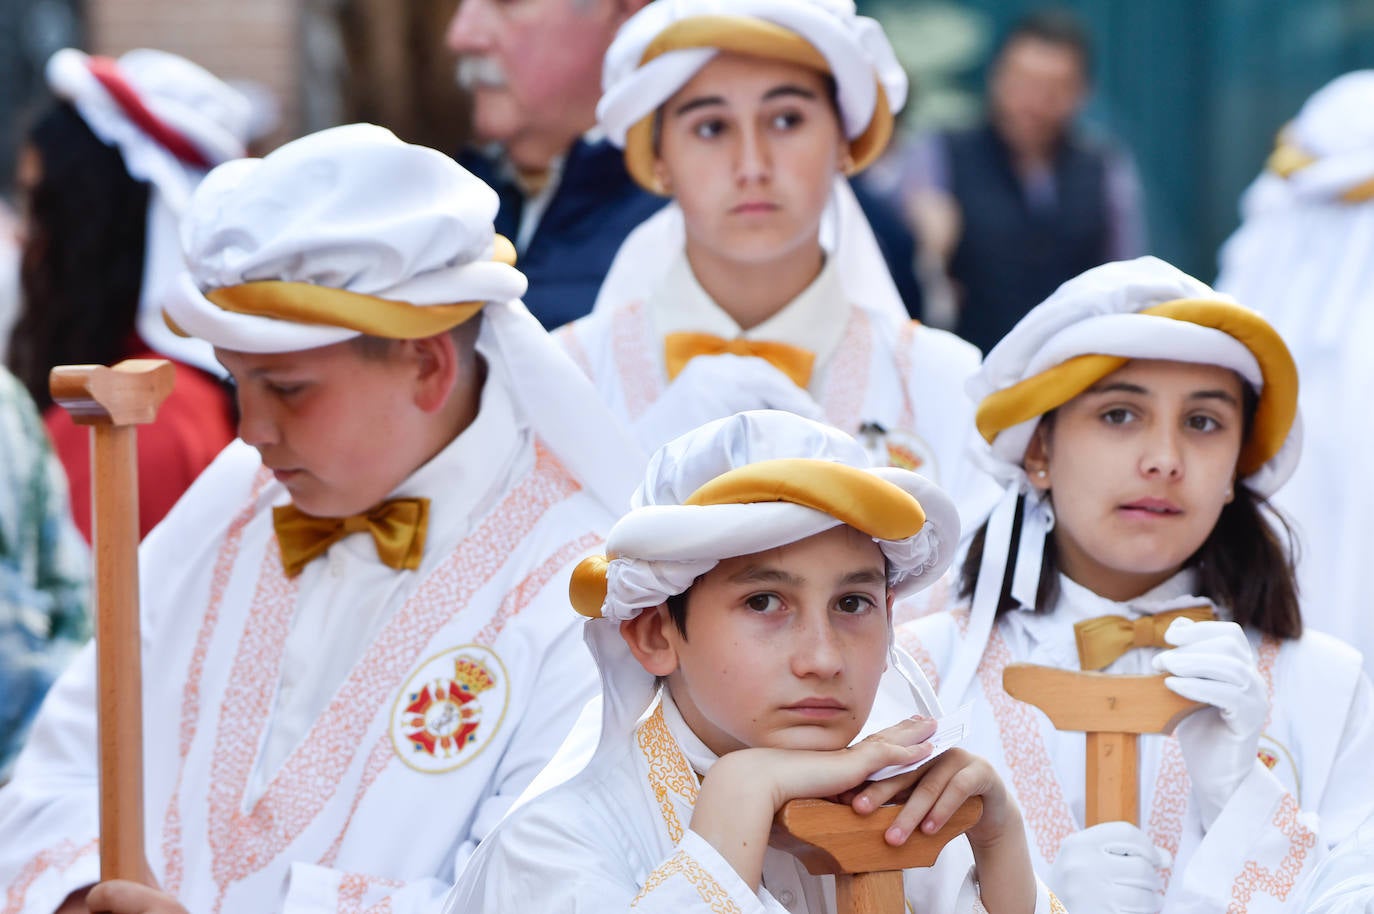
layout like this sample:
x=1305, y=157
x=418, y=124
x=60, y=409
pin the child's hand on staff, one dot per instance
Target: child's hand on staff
x=745, y=789
x=118, y=896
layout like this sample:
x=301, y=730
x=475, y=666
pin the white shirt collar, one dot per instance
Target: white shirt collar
x=1077, y=603
x=698, y=754
x=814, y=320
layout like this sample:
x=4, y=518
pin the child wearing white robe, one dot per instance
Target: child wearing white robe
x=1139, y=420
x=740, y=624
x=760, y=286
x=1303, y=257
x=356, y=652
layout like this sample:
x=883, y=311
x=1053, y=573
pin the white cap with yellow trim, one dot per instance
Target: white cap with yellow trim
x=756, y=481
x=659, y=49
x=1091, y=326
x=350, y=231
x=1327, y=151
x=351, y=209
x=1136, y=309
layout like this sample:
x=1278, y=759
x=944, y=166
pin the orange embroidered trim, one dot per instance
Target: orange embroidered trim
x=1278, y=884
x=1173, y=787
x=566, y=336
x=632, y=340
x=58, y=857
x=1268, y=658
x=172, y=850
x=707, y=888
x=525, y=592
x=668, y=769
x=845, y=387
x=1057, y=906
x=353, y=888
x=1038, y=791
x=906, y=342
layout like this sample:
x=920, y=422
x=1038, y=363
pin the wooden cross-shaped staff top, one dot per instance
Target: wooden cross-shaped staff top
x=1112, y=710
x=832, y=839
x=114, y=401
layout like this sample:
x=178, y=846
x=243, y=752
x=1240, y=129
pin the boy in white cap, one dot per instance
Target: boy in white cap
x=1304, y=258
x=742, y=623
x=1139, y=421
x=750, y=114
x=105, y=172
x=357, y=649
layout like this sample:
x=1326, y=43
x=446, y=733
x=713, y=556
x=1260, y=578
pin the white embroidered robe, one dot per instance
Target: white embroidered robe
x=1309, y=789
x=606, y=826
x=433, y=697
x=870, y=370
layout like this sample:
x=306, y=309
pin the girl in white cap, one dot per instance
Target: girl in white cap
x=1304, y=258
x=750, y=114
x=1139, y=421
x=105, y=173
x=357, y=648
x=741, y=619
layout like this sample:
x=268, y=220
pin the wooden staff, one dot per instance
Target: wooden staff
x=832, y=839
x=1112, y=710
x=114, y=401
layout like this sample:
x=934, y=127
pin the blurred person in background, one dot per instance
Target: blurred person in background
x=1304, y=257
x=102, y=177
x=1024, y=200
x=534, y=71
x=9, y=275
x=43, y=570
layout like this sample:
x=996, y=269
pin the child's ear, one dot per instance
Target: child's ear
x=648, y=639
x=436, y=365
x=663, y=182
x=1037, y=459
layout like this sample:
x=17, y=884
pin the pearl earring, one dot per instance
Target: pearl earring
x=1040, y=474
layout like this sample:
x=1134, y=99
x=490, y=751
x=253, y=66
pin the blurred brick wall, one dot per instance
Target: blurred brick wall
x=234, y=39
x=328, y=61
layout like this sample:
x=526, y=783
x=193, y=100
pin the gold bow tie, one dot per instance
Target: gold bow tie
x=793, y=361
x=397, y=526
x=1103, y=639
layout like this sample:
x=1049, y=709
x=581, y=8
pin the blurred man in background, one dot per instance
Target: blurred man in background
x=534, y=71
x=1024, y=201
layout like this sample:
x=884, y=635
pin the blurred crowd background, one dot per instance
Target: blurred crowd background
x=1195, y=89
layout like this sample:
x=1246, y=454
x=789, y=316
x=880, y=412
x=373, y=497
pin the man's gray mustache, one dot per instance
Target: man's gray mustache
x=480, y=73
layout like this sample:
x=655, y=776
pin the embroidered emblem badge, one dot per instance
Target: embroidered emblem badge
x=450, y=709
x=1275, y=756
x=897, y=448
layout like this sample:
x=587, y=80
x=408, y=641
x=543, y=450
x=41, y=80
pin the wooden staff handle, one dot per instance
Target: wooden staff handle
x=114, y=401
x=832, y=839
x=1112, y=710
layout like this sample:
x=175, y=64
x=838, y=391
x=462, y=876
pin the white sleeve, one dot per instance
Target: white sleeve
x=1263, y=847
x=538, y=863
x=565, y=678
x=49, y=815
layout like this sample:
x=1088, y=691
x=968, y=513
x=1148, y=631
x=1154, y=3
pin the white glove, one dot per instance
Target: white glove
x=1111, y=868
x=716, y=386
x=1213, y=664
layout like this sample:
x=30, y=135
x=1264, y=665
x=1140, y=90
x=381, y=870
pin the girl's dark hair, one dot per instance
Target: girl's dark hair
x=82, y=267
x=1245, y=564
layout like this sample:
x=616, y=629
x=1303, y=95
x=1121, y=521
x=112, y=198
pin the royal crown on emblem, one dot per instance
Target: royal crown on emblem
x=472, y=675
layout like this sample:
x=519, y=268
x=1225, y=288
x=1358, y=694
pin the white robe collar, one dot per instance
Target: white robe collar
x=815, y=320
